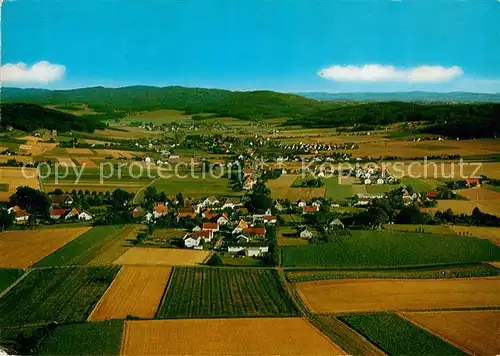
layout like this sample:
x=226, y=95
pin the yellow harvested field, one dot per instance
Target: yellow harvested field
x=474, y=331
x=80, y=151
x=410, y=149
x=463, y=207
x=135, y=291
x=16, y=177
x=117, y=247
x=162, y=256
x=66, y=161
x=495, y=264
x=370, y=295
x=5, y=158
x=85, y=162
x=489, y=233
x=282, y=188
x=21, y=249
x=245, y=336
x=440, y=169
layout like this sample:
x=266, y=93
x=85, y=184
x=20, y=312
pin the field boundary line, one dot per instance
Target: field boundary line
x=360, y=335
x=15, y=283
x=143, y=188
x=164, y=296
x=318, y=330
x=104, y=294
x=124, y=336
x=421, y=326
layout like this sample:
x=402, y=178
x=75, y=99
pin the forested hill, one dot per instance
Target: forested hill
x=460, y=120
x=115, y=101
x=29, y=117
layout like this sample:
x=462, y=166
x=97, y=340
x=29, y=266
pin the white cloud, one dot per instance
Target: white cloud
x=381, y=73
x=41, y=72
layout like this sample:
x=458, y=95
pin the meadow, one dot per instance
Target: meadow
x=366, y=248
x=397, y=336
x=85, y=248
x=61, y=294
x=98, y=338
x=9, y=276
x=224, y=292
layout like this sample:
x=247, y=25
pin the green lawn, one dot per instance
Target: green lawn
x=397, y=336
x=193, y=187
x=367, y=248
x=98, y=338
x=337, y=191
x=59, y=294
x=9, y=276
x=84, y=248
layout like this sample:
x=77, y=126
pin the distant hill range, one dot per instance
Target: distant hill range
x=412, y=96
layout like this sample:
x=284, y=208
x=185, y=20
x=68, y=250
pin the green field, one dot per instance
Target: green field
x=420, y=185
x=475, y=270
x=224, y=292
x=397, y=336
x=9, y=276
x=60, y=294
x=337, y=191
x=98, y=338
x=84, y=248
x=380, y=188
x=193, y=187
x=366, y=248
x=4, y=187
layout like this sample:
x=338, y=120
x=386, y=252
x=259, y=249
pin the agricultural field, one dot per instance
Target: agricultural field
x=489, y=233
x=85, y=162
x=224, y=292
x=428, y=229
x=136, y=291
x=162, y=257
x=474, y=331
x=80, y=151
x=98, y=338
x=250, y=336
x=337, y=191
x=460, y=271
x=85, y=248
x=348, y=339
x=21, y=249
x=397, y=336
x=9, y=276
x=464, y=207
x=13, y=177
x=61, y=294
x=66, y=162
x=288, y=236
x=117, y=246
x=282, y=188
x=370, y=295
x=367, y=248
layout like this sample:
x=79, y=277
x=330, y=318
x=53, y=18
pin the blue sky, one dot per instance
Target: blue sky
x=294, y=45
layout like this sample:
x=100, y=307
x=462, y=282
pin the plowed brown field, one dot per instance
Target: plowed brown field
x=474, y=331
x=162, y=256
x=135, y=291
x=256, y=336
x=356, y=295
x=21, y=249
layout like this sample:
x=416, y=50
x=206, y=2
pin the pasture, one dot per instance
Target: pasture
x=370, y=295
x=9, y=276
x=85, y=248
x=61, y=294
x=237, y=337
x=474, y=331
x=397, y=336
x=102, y=338
x=136, y=291
x=366, y=248
x=225, y=292
x=162, y=257
x=117, y=246
x=345, y=337
x=21, y=249
x=14, y=177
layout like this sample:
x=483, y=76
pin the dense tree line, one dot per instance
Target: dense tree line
x=29, y=117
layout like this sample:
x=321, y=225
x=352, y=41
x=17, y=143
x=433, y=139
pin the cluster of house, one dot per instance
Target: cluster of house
x=316, y=148
x=364, y=199
x=373, y=176
x=56, y=213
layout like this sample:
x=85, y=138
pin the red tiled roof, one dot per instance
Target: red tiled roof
x=432, y=194
x=160, y=209
x=255, y=230
x=310, y=209
x=269, y=217
x=209, y=226
x=58, y=212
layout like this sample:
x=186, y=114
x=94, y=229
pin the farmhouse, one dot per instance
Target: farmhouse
x=208, y=226
x=186, y=212
x=258, y=231
x=56, y=214
x=160, y=210
x=311, y=209
x=473, y=182
x=195, y=239
x=242, y=224
x=73, y=213
x=84, y=216
x=62, y=199
x=256, y=251
x=223, y=219
x=269, y=219
x=306, y=234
